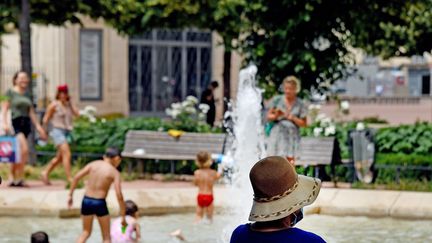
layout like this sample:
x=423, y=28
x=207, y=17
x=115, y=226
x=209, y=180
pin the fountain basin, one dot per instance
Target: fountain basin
x=331, y=201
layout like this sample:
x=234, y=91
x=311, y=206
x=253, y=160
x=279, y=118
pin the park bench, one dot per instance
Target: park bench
x=142, y=145
x=317, y=152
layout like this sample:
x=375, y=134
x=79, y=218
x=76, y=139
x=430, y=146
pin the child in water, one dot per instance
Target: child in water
x=101, y=174
x=204, y=178
x=121, y=234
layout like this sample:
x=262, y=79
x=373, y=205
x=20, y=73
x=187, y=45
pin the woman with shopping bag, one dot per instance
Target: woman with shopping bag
x=23, y=115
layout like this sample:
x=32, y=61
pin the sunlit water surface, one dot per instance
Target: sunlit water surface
x=157, y=229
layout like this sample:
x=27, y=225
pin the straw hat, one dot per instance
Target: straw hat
x=278, y=190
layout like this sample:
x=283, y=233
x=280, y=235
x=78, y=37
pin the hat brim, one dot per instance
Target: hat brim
x=305, y=194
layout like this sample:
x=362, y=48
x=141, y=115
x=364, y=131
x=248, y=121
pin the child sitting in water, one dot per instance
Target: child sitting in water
x=101, y=174
x=120, y=234
x=204, y=178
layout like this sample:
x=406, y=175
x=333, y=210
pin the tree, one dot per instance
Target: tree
x=312, y=39
x=21, y=13
x=40, y=11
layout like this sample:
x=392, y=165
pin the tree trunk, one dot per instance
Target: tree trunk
x=26, y=62
x=25, y=41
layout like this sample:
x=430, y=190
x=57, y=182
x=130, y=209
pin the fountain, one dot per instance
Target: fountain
x=248, y=146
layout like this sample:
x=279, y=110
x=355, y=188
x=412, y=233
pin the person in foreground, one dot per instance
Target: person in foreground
x=39, y=237
x=102, y=173
x=121, y=234
x=279, y=196
x=204, y=178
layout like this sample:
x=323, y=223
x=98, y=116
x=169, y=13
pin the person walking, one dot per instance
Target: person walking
x=23, y=116
x=60, y=113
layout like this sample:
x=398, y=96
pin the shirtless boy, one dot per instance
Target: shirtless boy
x=204, y=178
x=101, y=174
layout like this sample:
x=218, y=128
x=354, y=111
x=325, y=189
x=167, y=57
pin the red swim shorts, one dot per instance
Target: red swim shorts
x=204, y=200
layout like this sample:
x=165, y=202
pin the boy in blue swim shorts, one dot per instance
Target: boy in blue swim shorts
x=101, y=174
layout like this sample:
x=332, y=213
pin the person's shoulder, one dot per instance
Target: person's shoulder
x=309, y=236
x=95, y=163
x=9, y=93
x=300, y=101
x=239, y=233
x=241, y=228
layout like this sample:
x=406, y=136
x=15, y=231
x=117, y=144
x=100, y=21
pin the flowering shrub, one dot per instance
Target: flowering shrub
x=188, y=115
x=323, y=126
x=89, y=113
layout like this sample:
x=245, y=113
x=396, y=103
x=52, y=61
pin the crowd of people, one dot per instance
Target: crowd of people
x=279, y=192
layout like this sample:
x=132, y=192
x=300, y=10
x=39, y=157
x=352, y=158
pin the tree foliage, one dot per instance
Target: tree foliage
x=42, y=12
x=313, y=39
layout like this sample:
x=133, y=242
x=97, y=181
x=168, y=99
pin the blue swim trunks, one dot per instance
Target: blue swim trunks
x=92, y=206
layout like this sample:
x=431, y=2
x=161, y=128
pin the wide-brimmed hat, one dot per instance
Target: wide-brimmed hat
x=278, y=190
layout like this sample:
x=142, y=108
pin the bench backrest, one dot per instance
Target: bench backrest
x=318, y=151
x=160, y=145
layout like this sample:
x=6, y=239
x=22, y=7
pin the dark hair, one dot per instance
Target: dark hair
x=214, y=84
x=39, y=237
x=112, y=152
x=15, y=76
x=64, y=92
x=131, y=208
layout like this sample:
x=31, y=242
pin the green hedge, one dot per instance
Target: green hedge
x=407, y=139
x=94, y=137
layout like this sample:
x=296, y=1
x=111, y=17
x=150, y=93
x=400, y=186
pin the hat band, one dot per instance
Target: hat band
x=299, y=204
x=277, y=197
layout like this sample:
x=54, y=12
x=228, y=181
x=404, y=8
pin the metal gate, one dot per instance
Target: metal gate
x=165, y=66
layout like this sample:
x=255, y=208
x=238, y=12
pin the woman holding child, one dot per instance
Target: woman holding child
x=287, y=114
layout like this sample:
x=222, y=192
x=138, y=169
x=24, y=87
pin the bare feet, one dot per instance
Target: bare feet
x=178, y=234
x=44, y=178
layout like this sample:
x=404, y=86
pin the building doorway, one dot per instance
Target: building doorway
x=165, y=66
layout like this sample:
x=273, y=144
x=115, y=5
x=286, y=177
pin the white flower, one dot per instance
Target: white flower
x=326, y=121
x=175, y=113
x=320, y=117
x=186, y=103
x=192, y=99
x=168, y=111
x=92, y=119
x=344, y=105
x=190, y=110
x=201, y=115
x=317, y=131
x=176, y=105
x=204, y=108
x=314, y=107
x=103, y=120
x=360, y=126
x=83, y=113
x=331, y=130
x=90, y=109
